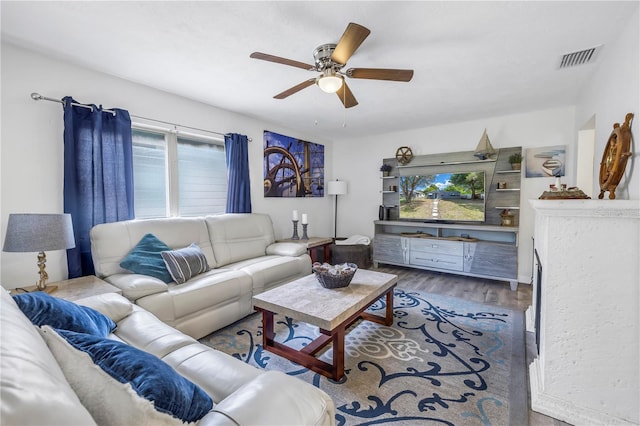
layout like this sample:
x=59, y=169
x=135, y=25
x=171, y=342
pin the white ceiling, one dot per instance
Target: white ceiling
x=471, y=59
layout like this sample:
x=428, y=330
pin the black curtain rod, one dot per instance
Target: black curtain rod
x=39, y=97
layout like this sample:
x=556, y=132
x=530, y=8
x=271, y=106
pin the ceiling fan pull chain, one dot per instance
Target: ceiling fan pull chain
x=344, y=102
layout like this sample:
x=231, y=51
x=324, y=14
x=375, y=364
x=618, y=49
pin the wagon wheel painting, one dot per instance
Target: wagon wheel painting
x=283, y=173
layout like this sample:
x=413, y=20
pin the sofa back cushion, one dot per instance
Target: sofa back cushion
x=239, y=236
x=111, y=242
x=33, y=389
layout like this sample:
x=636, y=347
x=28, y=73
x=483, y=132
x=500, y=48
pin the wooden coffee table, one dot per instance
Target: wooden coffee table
x=331, y=310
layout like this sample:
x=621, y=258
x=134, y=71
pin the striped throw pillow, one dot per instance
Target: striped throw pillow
x=185, y=263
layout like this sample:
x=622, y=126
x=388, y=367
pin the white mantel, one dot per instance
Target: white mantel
x=587, y=371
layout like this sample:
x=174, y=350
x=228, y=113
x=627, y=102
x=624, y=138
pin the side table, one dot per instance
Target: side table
x=312, y=244
x=73, y=289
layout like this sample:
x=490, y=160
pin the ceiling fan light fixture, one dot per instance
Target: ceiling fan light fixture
x=329, y=82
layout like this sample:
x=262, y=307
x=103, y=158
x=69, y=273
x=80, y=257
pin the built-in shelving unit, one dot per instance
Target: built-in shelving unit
x=485, y=250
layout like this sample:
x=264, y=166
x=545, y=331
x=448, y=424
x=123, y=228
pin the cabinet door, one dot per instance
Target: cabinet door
x=388, y=248
x=491, y=259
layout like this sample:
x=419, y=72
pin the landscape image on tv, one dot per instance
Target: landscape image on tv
x=443, y=197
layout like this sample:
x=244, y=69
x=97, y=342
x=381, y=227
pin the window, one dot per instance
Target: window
x=176, y=175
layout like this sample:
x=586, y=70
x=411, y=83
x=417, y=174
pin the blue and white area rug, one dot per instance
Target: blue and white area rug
x=443, y=361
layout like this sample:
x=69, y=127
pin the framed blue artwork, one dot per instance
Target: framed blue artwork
x=292, y=167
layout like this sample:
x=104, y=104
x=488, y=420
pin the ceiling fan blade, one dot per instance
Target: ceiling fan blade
x=352, y=38
x=295, y=89
x=345, y=95
x=279, y=60
x=380, y=74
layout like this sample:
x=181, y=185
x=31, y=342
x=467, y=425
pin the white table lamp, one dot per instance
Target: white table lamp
x=336, y=187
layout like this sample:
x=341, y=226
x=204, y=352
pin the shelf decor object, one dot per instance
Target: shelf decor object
x=295, y=230
x=39, y=233
x=484, y=149
x=336, y=187
x=516, y=161
x=385, y=169
x=404, y=155
x=615, y=156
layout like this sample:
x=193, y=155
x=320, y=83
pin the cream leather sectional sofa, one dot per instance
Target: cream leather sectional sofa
x=45, y=383
x=240, y=250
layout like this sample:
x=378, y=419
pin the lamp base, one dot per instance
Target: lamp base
x=42, y=264
x=50, y=289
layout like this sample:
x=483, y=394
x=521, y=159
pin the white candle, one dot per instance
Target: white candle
x=295, y=215
x=304, y=218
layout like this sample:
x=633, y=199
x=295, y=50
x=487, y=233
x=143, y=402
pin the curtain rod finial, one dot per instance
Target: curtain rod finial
x=36, y=96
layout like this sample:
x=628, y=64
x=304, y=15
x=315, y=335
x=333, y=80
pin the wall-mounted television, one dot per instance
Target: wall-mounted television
x=446, y=197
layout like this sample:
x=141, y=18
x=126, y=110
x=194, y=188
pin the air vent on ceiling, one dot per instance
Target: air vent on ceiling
x=580, y=58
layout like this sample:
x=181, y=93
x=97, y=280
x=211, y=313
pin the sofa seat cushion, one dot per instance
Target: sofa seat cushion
x=135, y=286
x=146, y=258
x=44, y=309
x=120, y=384
x=217, y=373
x=112, y=305
x=215, y=287
x=34, y=389
x=305, y=403
x=271, y=271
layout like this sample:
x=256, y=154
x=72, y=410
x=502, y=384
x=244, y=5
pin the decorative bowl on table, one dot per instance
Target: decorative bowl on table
x=334, y=276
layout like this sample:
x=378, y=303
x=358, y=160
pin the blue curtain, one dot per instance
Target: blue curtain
x=98, y=175
x=236, y=149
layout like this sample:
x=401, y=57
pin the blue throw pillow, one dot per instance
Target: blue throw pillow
x=149, y=376
x=44, y=309
x=145, y=258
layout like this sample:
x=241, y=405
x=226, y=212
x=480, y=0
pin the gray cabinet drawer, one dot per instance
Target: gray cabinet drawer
x=433, y=260
x=428, y=245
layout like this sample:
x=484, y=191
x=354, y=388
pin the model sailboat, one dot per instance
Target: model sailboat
x=484, y=150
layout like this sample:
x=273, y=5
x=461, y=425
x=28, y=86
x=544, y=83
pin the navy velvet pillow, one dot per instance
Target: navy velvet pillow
x=145, y=258
x=149, y=376
x=44, y=309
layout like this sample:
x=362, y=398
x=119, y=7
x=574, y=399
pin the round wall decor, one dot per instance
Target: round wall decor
x=615, y=156
x=404, y=155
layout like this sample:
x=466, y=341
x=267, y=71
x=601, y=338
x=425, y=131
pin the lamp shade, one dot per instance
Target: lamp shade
x=337, y=187
x=39, y=232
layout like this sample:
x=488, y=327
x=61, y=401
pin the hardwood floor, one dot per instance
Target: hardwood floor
x=481, y=291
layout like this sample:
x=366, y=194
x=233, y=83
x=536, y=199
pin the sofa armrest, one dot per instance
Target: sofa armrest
x=273, y=398
x=286, y=249
x=135, y=286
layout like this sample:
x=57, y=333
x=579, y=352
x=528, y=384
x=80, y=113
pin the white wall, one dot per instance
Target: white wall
x=31, y=144
x=32, y=149
x=613, y=92
x=359, y=208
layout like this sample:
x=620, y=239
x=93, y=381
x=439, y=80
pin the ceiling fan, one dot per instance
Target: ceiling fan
x=330, y=59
